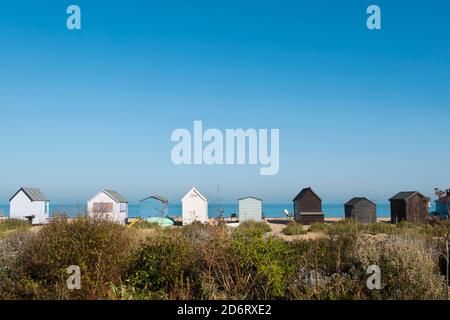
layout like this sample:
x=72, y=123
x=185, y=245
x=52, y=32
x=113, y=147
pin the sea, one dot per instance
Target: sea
x=214, y=210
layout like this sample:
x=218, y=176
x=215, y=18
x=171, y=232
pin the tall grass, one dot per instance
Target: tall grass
x=11, y=226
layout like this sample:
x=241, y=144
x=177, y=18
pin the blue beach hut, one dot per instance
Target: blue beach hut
x=154, y=206
x=441, y=206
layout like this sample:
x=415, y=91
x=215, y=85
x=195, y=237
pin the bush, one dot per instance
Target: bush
x=10, y=248
x=161, y=264
x=99, y=248
x=207, y=262
x=144, y=224
x=294, y=228
x=409, y=268
x=335, y=268
x=263, y=267
x=318, y=227
x=252, y=228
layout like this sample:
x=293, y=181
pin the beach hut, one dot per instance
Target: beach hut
x=30, y=204
x=361, y=209
x=250, y=208
x=194, y=207
x=308, y=207
x=154, y=206
x=108, y=205
x=443, y=206
x=409, y=206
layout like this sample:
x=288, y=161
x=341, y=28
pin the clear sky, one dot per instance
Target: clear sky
x=360, y=112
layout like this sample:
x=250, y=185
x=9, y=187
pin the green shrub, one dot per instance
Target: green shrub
x=318, y=227
x=263, y=263
x=161, y=264
x=252, y=228
x=99, y=248
x=144, y=224
x=294, y=228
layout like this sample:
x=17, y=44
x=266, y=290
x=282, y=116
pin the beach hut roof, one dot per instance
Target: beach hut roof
x=405, y=195
x=250, y=197
x=355, y=200
x=159, y=198
x=197, y=192
x=34, y=194
x=115, y=196
x=304, y=191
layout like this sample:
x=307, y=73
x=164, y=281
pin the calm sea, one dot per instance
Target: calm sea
x=270, y=210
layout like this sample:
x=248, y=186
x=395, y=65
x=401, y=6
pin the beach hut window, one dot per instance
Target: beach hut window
x=102, y=207
x=123, y=207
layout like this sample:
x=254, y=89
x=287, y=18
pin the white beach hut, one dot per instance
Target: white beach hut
x=31, y=204
x=108, y=205
x=250, y=208
x=194, y=207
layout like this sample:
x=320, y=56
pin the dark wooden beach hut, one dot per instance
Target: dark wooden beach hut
x=308, y=207
x=361, y=209
x=409, y=206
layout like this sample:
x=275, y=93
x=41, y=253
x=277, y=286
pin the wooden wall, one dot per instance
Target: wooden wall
x=363, y=211
x=413, y=209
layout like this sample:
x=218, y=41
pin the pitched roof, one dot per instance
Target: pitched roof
x=250, y=197
x=160, y=198
x=405, y=195
x=115, y=196
x=304, y=191
x=355, y=200
x=34, y=194
x=197, y=192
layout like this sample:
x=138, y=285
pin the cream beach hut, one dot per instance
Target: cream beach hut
x=31, y=204
x=108, y=205
x=194, y=207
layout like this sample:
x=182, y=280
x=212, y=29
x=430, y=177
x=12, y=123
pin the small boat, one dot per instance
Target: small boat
x=163, y=222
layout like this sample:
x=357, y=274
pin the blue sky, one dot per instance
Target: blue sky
x=360, y=112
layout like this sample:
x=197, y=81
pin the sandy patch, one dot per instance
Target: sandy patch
x=278, y=224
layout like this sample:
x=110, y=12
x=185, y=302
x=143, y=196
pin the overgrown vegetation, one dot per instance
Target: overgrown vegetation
x=253, y=228
x=144, y=224
x=38, y=267
x=403, y=228
x=13, y=226
x=217, y=262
